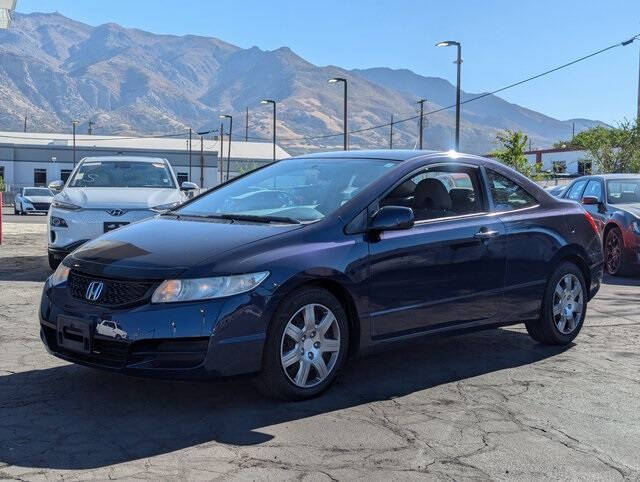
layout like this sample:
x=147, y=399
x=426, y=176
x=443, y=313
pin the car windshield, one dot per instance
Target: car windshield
x=122, y=174
x=293, y=190
x=38, y=192
x=623, y=191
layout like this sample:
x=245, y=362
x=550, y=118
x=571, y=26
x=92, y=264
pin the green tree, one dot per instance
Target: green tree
x=513, y=145
x=1, y=184
x=614, y=149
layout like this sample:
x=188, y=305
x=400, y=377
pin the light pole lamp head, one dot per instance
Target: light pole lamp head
x=267, y=101
x=226, y=116
x=447, y=43
x=337, y=79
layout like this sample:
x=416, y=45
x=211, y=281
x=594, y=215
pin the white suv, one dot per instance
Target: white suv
x=105, y=193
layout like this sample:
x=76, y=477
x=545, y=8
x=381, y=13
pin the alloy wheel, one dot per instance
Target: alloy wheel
x=613, y=252
x=310, y=345
x=568, y=300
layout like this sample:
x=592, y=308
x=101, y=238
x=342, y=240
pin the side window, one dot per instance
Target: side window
x=507, y=195
x=594, y=189
x=576, y=190
x=439, y=192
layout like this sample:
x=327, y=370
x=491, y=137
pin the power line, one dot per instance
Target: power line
x=478, y=97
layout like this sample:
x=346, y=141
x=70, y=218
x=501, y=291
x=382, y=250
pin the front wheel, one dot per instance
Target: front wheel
x=563, y=308
x=613, y=252
x=306, y=345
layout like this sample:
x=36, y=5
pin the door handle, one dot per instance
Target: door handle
x=485, y=233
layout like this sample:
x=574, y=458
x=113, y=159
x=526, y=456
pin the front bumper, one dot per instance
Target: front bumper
x=86, y=224
x=196, y=340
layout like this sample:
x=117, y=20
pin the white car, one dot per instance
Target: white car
x=105, y=193
x=111, y=329
x=32, y=200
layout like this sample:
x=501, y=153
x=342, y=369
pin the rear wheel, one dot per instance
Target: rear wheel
x=306, y=346
x=54, y=262
x=613, y=252
x=563, y=308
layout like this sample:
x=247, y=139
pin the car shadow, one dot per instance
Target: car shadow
x=24, y=268
x=71, y=417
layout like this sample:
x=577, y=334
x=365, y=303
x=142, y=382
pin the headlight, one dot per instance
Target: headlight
x=173, y=290
x=165, y=207
x=65, y=206
x=57, y=222
x=635, y=226
x=59, y=276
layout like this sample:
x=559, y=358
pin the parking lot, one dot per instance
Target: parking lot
x=486, y=405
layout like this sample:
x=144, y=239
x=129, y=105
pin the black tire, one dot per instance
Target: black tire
x=15, y=210
x=614, y=252
x=545, y=330
x=54, y=262
x=273, y=381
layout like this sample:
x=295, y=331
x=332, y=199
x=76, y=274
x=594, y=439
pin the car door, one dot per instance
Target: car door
x=598, y=211
x=448, y=269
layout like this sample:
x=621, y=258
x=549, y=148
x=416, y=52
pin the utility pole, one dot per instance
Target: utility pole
x=75, y=123
x=230, y=117
x=638, y=89
x=202, y=161
x=421, y=102
x=344, y=82
x=221, y=153
x=25, y=123
x=90, y=128
x=391, y=134
x=573, y=131
x=190, y=151
x=246, y=125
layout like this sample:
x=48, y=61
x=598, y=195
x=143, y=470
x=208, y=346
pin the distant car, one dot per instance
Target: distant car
x=613, y=200
x=105, y=193
x=294, y=287
x=31, y=200
x=556, y=191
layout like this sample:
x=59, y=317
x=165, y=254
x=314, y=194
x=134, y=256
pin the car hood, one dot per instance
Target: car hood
x=121, y=198
x=38, y=199
x=164, y=247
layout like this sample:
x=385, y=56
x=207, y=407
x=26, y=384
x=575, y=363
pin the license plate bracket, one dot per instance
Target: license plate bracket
x=110, y=226
x=74, y=334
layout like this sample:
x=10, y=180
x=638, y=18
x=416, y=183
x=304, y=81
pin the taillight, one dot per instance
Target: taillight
x=592, y=222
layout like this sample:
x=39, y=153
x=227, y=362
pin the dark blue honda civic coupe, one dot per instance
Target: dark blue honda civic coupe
x=291, y=269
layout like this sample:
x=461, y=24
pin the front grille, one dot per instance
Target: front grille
x=114, y=292
x=40, y=206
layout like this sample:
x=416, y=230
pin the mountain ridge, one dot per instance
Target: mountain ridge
x=129, y=81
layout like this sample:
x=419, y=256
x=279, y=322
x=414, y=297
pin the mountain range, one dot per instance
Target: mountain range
x=130, y=82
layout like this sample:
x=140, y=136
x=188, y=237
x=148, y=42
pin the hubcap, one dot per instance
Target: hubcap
x=614, y=252
x=310, y=345
x=567, y=304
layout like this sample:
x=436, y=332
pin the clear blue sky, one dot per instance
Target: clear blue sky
x=503, y=40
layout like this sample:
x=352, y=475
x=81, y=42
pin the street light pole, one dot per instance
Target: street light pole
x=391, y=134
x=449, y=43
x=226, y=116
x=269, y=101
x=74, y=123
x=344, y=81
x=421, y=102
x=190, y=151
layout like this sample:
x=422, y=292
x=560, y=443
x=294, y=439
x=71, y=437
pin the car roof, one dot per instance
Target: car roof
x=124, y=159
x=384, y=154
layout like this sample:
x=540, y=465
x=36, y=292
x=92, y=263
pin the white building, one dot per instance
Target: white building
x=561, y=160
x=35, y=159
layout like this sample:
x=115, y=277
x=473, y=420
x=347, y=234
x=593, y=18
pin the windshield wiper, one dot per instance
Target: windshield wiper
x=254, y=218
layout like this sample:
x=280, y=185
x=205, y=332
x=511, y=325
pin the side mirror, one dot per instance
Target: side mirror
x=590, y=200
x=188, y=186
x=392, y=218
x=56, y=186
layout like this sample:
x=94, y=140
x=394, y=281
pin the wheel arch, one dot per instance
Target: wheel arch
x=576, y=255
x=337, y=289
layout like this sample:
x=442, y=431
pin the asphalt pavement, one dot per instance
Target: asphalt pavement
x=488, y=405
